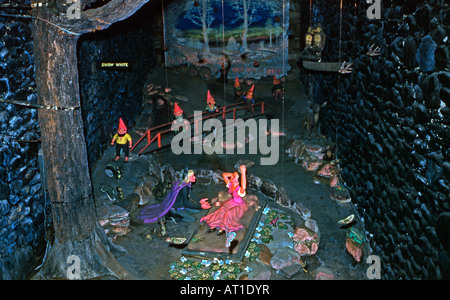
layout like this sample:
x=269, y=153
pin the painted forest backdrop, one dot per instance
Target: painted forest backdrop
x=250, y=37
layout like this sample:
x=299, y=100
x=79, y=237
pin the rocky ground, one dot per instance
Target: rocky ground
x=151, y=257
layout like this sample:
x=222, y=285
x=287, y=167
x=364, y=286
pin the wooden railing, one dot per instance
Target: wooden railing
x=223, y=111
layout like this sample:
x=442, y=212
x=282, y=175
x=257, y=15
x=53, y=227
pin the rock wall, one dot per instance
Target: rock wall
x=107, y=95
x=389, y=119
x=24, y=213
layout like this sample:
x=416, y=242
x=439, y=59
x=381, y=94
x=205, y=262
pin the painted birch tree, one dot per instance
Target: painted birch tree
x=202, y=16
x=247, y=11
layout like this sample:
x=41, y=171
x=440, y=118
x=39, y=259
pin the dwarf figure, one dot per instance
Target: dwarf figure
x=277, y=88
x=248, y=98
x=177, y=112
x=123, y=141
x=211, y=103
x=178, y=117
x=238, y=93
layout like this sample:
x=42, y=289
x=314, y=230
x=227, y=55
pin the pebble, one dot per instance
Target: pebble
x=4, y=207
x=312, y=224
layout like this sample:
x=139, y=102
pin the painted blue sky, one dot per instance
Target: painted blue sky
x=231, y=20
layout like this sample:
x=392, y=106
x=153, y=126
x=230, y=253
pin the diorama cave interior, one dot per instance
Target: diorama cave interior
x=224, y=139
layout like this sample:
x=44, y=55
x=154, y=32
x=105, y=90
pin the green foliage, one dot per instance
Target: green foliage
x=225, y=270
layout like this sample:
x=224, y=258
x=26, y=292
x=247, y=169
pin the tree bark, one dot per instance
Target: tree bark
x=205, y=27
x=77, y=231
x=245, y=26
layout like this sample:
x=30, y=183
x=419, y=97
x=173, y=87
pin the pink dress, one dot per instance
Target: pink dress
x=230, y=212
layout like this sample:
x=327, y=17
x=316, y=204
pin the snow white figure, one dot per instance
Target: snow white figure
x=227, y=217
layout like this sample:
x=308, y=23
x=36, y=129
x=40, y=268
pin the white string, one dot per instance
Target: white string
x=223, y=51
x=310, y=12
x=340, y=30
x=164, y=42
x=282, y=95
x=224, y=78
x=309, y=74
x=339, y=79
x=165, y=67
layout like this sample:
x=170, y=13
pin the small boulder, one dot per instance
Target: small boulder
x=269, y=189
x=323, y=273
x=306, y=241
x=265, y=255
x=425, y=54
x=282, y=198
x=284, y=257
x=354, y=248
x=312, y=224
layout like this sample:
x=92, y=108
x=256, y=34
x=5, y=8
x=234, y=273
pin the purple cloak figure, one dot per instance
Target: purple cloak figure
x=153, y=212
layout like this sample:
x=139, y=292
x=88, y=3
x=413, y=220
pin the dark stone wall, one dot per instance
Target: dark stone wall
x=24, y=213
x=107, y=95
x=389, y=119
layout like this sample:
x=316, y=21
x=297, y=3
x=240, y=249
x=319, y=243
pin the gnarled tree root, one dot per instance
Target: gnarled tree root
x=97, y=260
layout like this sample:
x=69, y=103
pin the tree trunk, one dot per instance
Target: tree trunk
x=205, y=27
x=77, y=231
x=245, y=27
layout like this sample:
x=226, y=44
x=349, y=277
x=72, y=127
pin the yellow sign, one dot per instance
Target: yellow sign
x=115, y=65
